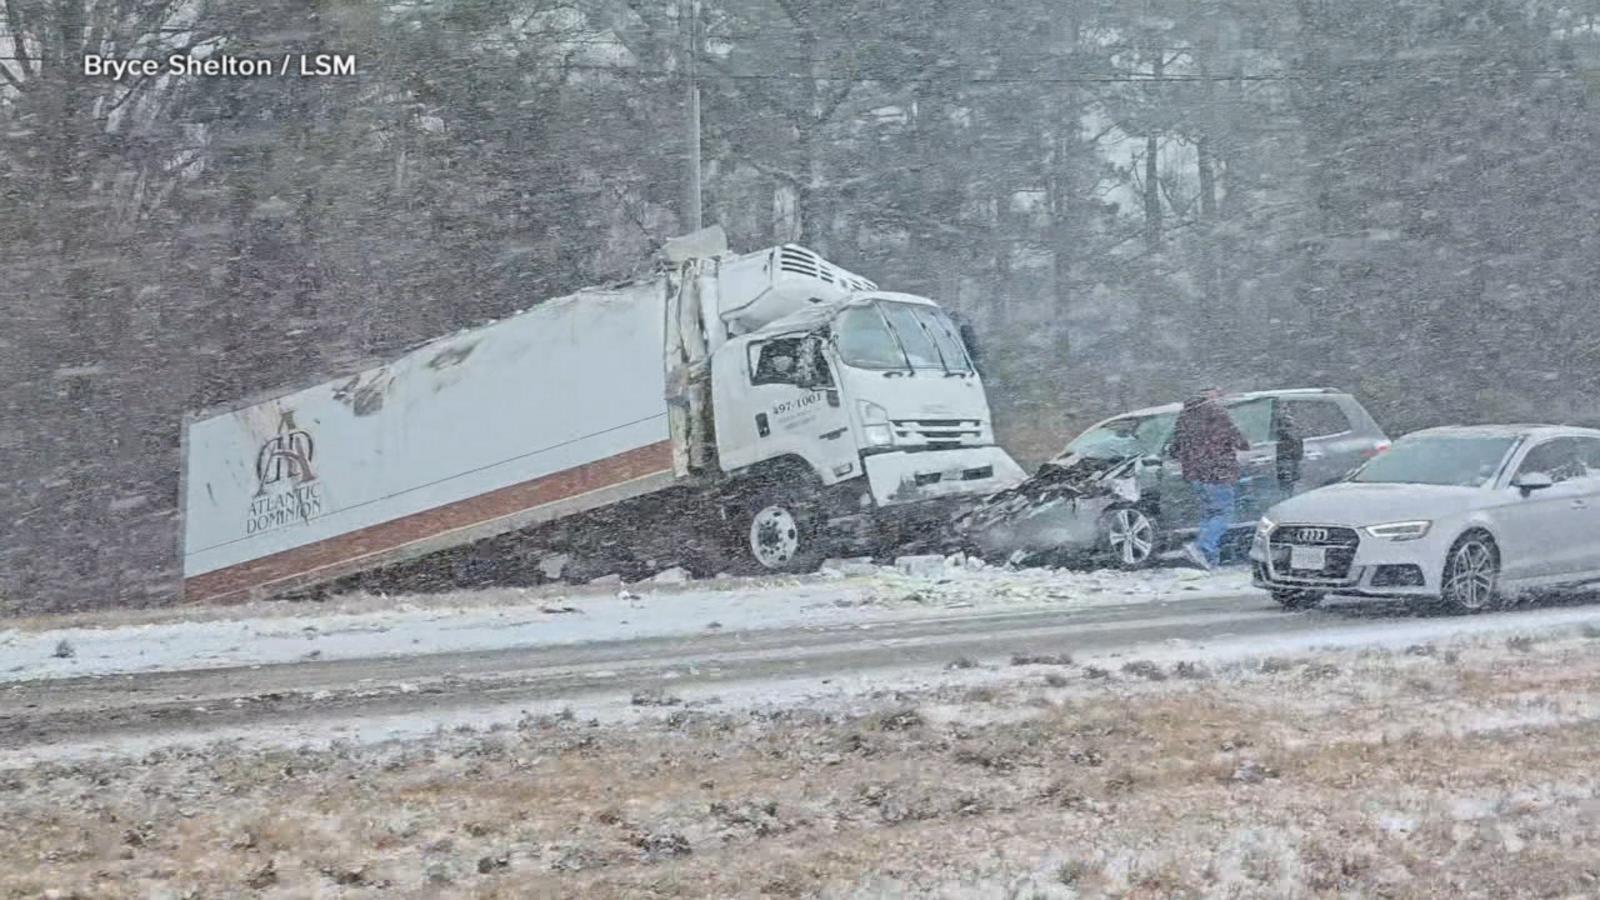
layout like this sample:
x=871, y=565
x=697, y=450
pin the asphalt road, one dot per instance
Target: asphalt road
x=197, y=703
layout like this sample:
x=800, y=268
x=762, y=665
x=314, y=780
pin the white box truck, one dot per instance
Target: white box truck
x=786, y=397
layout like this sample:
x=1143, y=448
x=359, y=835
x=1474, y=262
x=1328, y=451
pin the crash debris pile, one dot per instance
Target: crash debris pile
x=959, y=581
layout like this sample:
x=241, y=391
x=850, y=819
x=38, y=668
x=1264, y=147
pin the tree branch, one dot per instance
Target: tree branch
x=754, y=87
x=790, y=177
x=793, y=13
x=14, y=26
x=12, y=79
x=830, y=105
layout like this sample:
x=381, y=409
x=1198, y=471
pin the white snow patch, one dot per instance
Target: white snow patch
x=579, y=617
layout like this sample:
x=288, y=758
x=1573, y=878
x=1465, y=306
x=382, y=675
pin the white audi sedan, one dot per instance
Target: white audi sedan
x=1469, y=516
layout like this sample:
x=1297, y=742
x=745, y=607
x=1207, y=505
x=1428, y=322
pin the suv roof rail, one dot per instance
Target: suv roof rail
x=1280, y=391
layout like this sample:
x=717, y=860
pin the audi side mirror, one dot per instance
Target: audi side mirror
x=1532, y=481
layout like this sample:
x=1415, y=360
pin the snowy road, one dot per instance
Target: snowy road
x=404, y=695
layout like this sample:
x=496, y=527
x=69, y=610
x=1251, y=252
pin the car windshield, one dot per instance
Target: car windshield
x=1124, y=437
x=891, y=335
x=1438, y=459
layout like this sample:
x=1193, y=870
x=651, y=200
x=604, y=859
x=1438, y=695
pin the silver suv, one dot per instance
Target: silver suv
x=1128, y=499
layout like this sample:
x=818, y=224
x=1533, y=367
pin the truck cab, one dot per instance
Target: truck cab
x=853, y=403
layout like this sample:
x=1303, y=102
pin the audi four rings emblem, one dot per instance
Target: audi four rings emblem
x=1313, y=535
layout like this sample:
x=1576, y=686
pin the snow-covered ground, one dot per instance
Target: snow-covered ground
x=366, y=627
x=1458, y=767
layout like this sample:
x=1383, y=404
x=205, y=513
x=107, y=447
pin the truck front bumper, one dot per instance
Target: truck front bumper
x=915, y=476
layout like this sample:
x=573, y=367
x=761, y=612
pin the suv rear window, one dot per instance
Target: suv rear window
x=1253, y=418
x=1315, y=418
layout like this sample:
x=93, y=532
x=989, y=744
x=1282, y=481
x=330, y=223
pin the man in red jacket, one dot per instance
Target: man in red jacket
x=1205, y=441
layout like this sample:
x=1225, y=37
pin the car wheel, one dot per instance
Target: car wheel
x=778, y=533
x=1297, y=599
x=1471, y=574
x=1129, y=535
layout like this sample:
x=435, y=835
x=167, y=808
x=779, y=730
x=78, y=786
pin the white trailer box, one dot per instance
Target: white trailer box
x=559, y=407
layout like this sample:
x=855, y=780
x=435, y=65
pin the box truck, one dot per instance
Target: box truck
x=780, y=401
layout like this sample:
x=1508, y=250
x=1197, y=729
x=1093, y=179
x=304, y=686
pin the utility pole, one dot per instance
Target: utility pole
x=689, y=21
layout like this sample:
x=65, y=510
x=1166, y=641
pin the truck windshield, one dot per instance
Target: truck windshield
x=892, y=335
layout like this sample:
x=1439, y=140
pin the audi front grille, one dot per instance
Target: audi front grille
x=1339, y=543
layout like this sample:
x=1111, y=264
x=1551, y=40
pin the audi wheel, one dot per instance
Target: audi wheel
x=1471, y=574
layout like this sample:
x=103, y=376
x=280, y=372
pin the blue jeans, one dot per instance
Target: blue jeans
x=1217, y=500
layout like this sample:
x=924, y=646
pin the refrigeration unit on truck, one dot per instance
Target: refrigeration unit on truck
x=793, y=400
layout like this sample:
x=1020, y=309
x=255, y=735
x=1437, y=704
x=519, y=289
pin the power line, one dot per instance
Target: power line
x=1045, y=79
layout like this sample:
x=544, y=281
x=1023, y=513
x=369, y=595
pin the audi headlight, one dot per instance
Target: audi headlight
x=1400, y=531
x=1258, y=542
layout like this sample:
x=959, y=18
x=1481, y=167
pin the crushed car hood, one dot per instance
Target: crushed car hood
x=1064, y=478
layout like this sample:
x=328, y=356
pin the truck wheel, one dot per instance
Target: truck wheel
x=1130, y=536
x=779, y=533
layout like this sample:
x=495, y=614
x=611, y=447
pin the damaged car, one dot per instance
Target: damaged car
x=1116, y=493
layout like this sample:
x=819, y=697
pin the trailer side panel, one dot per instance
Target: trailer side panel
x=553, y=410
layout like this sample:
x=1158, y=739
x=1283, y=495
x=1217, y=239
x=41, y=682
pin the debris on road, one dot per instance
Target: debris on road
x=930, y=566
x=674, y=575
x=553, y=567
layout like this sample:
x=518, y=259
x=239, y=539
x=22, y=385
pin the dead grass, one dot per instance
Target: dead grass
x=1192, y=787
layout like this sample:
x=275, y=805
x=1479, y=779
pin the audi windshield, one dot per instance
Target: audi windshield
x=1459, y=460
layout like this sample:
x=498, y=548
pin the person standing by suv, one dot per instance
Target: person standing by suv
x=1291, y=449
x=1205, y=440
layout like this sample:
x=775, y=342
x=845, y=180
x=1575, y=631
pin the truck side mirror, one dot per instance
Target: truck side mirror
x=969, y=338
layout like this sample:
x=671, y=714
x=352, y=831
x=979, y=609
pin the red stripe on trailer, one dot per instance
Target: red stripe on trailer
x=339, y=555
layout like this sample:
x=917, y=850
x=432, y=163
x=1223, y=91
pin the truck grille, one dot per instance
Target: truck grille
x=1339, y=543
x=975, y=474
x=938, y=432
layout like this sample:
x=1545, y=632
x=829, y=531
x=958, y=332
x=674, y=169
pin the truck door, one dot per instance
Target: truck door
x=796, y=409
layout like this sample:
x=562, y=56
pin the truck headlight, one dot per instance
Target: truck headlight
x=872, y=413
x=876, y=429
x=1400, y=531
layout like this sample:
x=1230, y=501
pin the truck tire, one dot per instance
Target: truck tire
x=778, y=531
